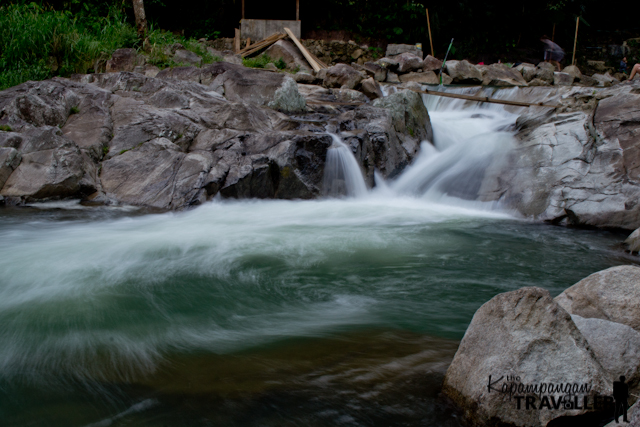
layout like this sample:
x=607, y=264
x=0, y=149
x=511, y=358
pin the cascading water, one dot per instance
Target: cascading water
x=342, y=174
x=252, y=312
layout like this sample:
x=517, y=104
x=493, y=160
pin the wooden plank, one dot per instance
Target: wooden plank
x=248, y=43
x=320, y=63
x=484, y=99
x=273, y=37
x=304, y=51
x=236, y=41
x=260, y=45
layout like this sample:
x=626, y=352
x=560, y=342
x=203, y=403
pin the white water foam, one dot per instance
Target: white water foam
x=342, y=174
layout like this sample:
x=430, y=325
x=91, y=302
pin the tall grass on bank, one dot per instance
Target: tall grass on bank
x=37, y=43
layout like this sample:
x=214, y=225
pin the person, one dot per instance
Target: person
x=623, y=65
x=621, y=395
x=552, y=52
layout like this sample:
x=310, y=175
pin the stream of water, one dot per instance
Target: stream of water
x=340, y=311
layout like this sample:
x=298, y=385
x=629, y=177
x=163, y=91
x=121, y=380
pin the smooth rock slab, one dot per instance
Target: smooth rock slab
x=522, y=333
x=612, y=294
x=616, y=346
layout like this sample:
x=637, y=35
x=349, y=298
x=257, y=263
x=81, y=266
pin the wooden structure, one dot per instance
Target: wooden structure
x=259, y=29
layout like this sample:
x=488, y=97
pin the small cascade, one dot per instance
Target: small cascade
x=470, y=149
x=342, y=174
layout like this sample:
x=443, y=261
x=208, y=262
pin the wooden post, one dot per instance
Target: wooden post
x=430, y=40
x=575, y=42
x=297, y=10
x=553, y=34
x=236, y=41
x=242, y=9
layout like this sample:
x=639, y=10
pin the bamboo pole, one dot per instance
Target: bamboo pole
x=430, y=39
x=575, y=42
x=553, y=34
x=484, y=99
x=297, y=10
x=236, y=41
x=242, y=9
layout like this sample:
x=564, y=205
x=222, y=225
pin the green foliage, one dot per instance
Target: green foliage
x=161, y=42
x=280, y=64
x=74, y=110
x=257, y=62
x=38, y=42
x=5, y=128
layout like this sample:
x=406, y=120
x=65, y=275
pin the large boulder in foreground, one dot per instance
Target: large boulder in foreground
x=527, y=336
x=612, y=294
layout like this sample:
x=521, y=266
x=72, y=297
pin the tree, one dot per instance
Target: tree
x=141, y=18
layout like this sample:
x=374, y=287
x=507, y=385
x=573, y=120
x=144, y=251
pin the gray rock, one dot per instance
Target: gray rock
x=408, y=62
x=342, y=75
x=9, y=160
x=523, y=333
x=616, y=347
x=463, y=72
x=376, y=71
x=538, y=82
x=290, y=54
x=604, y=80
x=399, y=49
x=500, y=75
x=528, y=71
x=392, y=77
x=545, y=73
x=562, y=79
x=428, y=77
x=388, y=63
x=123, y=60
x=304, y=78
x=546, y=66
x=431, y=64
x=612, y=294
x=633, y=241
x=186, y=57
x=287, y=98
x=408, y=113
x=574, y=71
x=371, y=88
x=349, y=95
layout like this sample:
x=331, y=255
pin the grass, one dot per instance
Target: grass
x=262, y=60
x=5, y=128
x=38, y=42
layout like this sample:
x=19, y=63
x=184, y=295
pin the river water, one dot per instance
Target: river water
x=340, y=311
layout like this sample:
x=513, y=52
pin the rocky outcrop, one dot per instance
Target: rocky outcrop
x=398, y=49
x=574, y=165
x=612, y=294
x=521, y=337
x=189, y=134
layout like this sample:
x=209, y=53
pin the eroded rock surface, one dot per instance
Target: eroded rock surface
x=189, y=134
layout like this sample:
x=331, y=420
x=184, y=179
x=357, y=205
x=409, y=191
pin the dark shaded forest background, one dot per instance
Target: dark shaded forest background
x=483, y=31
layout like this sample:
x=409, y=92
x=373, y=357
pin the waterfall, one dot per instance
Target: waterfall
x=342, y=174
x=470, y=149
